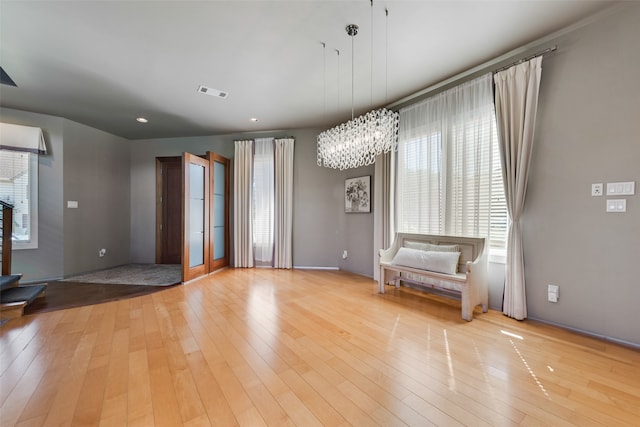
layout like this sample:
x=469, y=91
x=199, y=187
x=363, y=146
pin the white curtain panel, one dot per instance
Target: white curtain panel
x=263, y=200
x=283, y=203
x=444, y=162
x=381, y=208
x=242, y=183
x=516, y=101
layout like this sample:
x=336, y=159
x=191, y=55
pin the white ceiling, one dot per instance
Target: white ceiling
x=104, y=63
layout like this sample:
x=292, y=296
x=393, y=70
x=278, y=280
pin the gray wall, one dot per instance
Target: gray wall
x=47, y=261
x=321, y=229
x=91, y=167
x=587, y=132
x=96, y=175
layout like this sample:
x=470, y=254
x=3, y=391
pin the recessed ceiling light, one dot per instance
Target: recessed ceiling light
x=253, y=119
x=142, y=120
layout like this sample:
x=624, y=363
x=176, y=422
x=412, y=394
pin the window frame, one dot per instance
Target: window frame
x=32, y=243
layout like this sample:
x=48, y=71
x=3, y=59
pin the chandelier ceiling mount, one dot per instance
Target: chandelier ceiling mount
x=359, y=141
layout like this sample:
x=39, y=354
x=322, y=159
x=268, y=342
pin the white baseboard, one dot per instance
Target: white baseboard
x=304, y=267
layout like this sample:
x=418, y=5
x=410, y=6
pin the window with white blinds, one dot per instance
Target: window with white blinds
x=263, y=200
x=19, y=187
x=449, y=173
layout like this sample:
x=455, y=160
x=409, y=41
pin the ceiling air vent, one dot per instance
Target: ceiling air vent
x=212, y=92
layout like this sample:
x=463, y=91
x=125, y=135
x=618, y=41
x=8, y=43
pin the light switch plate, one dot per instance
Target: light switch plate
x=621, y=188
x=72, y=204
x=616, y=205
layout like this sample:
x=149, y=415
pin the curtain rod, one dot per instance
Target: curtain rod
x=527, y=58
x=478, y=70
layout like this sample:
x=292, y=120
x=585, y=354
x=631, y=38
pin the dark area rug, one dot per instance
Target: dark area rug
x=62, y=295
x=133, y=274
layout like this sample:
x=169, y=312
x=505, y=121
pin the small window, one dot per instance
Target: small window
x=19, y=187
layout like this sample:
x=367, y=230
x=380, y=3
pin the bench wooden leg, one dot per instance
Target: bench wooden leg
x=467, y=305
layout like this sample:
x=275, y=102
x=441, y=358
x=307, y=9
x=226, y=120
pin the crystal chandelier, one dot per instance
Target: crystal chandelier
x=359, y=141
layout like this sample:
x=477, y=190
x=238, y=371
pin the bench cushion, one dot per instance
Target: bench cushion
x=440, y=262
x=429, y=247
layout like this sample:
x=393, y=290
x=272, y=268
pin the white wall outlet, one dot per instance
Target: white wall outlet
x=72, y=204
x=596, y=189
x=552, y=293
x=102, y=252
x=345, y=254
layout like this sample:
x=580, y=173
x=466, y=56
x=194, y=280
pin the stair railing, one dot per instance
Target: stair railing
x=7, y=232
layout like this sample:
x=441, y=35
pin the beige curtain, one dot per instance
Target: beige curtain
x=382, y=208
x=242, y=183
x=283, y=203
x=516, y=100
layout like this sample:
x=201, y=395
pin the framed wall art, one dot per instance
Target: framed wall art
x=357, y=195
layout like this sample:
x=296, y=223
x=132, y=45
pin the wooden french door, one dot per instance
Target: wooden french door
x=205, y=214
x=219, y=231
x=177, y=191
x=195, y=216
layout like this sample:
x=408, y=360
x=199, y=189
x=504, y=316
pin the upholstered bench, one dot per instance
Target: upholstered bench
x=453, y=265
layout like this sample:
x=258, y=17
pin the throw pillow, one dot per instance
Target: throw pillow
x=440, y=262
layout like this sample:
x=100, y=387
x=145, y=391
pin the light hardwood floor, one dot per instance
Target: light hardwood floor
x=306, y=348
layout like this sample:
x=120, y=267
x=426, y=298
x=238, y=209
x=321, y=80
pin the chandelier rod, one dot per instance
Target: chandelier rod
x=386, y=55
x=352, y=30
x=352, y=62
x=324, y=80
x=371, y=66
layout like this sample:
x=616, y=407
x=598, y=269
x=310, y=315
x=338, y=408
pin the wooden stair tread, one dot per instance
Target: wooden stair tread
x=22, y=293
x=9, y=281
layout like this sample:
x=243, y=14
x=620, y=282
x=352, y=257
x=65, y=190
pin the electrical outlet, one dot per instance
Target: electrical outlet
x=596, y=189
x=552, y=293
x=344, y=254
x=102, y=252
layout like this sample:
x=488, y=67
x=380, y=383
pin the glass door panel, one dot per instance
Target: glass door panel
x=219, y=249
x=195, y=245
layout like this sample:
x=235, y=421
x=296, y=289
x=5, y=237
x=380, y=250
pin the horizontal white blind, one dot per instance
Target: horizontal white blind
x=263, y=199
x=499, y=218
x=419, y=202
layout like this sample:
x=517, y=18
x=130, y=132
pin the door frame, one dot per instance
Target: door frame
x=210, y=159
